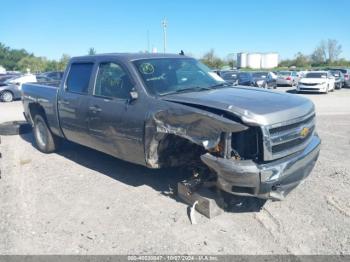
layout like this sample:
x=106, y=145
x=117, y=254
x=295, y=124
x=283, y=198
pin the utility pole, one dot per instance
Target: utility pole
x=164, y=24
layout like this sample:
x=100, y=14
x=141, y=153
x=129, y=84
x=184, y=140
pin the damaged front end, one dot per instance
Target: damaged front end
x=232, y=152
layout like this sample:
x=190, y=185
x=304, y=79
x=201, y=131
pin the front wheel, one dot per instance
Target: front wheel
x=44, y=139
x=327, y=90
x=6, y=96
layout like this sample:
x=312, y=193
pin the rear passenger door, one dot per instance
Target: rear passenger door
x=73, y=103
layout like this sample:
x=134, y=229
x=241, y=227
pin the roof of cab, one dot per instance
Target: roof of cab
x=127, y=56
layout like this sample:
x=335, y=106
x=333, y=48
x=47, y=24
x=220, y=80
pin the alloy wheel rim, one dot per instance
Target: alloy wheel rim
x=7, y=97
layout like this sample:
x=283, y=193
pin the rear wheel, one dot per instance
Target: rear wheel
x=44, y=139
x=6, y=96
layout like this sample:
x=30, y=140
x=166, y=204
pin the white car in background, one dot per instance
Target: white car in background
x=317, y=81
x=19, y=80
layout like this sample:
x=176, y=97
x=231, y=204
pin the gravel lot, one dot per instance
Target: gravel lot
x=80, y=201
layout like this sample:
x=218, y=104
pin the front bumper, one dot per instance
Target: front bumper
x=315, y=88
x=273, y=180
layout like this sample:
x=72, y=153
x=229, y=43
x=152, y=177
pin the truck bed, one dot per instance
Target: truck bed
x=44, y=94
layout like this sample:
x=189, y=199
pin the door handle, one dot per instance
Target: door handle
x=95, y=109
x=64, y=102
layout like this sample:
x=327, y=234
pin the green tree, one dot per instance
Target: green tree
x=334, y=49
x=92, y=51
x=62, y=63
x=211, y=60
x=301, y=60
x=32, y=63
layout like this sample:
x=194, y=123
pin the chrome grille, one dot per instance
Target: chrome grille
x=287, y=138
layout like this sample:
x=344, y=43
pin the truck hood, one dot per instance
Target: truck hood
x=254, y=106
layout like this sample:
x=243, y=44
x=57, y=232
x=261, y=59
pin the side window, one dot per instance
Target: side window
x=79, y=77
x=112, y=81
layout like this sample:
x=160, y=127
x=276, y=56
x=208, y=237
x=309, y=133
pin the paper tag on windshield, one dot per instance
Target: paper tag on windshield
x=216, y=76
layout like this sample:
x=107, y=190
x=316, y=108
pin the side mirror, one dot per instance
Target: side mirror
x=133, y=95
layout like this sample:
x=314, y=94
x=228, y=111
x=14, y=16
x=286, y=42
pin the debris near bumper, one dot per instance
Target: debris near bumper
x=209, y=202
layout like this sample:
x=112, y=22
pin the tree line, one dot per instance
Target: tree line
x=327, y=53
x=21, y=60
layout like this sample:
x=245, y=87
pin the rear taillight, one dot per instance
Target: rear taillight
x=288, y=78
x=346, y=76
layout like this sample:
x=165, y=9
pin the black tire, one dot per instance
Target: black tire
x=327, y=90
x=14, y=128
x=6, y=96
x=45, y=141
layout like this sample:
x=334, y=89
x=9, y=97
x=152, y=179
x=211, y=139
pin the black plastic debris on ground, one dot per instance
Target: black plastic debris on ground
x=14, y=128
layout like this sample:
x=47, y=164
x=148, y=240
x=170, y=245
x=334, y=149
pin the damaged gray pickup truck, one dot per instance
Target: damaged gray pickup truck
x=161, y=110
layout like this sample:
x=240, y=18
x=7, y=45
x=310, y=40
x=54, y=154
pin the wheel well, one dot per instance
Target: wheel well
x=36, y=109
x=6, y=90
x=174, y=151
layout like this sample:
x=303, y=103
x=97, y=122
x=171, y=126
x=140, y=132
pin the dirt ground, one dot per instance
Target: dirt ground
x=80, y=201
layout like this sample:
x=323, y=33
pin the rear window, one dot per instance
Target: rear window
x=79, y=78
x=284, y=73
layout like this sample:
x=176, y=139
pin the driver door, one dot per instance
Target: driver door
x=115, y=123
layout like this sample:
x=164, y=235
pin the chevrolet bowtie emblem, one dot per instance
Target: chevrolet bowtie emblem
x=304, y=132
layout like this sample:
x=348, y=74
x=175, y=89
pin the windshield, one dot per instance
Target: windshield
x=169, y=75
x=335, y=73
x=316, y=75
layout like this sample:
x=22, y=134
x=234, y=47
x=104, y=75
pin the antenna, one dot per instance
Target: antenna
x=165, y=25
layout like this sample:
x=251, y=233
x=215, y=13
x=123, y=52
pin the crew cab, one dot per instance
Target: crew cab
x=317, y=81
x=163, y=110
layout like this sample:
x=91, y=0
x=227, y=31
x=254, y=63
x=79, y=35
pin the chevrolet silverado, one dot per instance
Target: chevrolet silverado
x=163, y=110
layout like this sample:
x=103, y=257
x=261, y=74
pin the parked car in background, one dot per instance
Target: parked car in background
x=42, y=79
x=19, y=80
x=10, y=89
x=230, y=76
x=265, y=79
x=339, y=78
x=4, y=78
x=287, y=78
x=257, y=79
x=245, y=79
x=346, y=73
x=10, y=92
x=317, y=81
x=55, y=75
